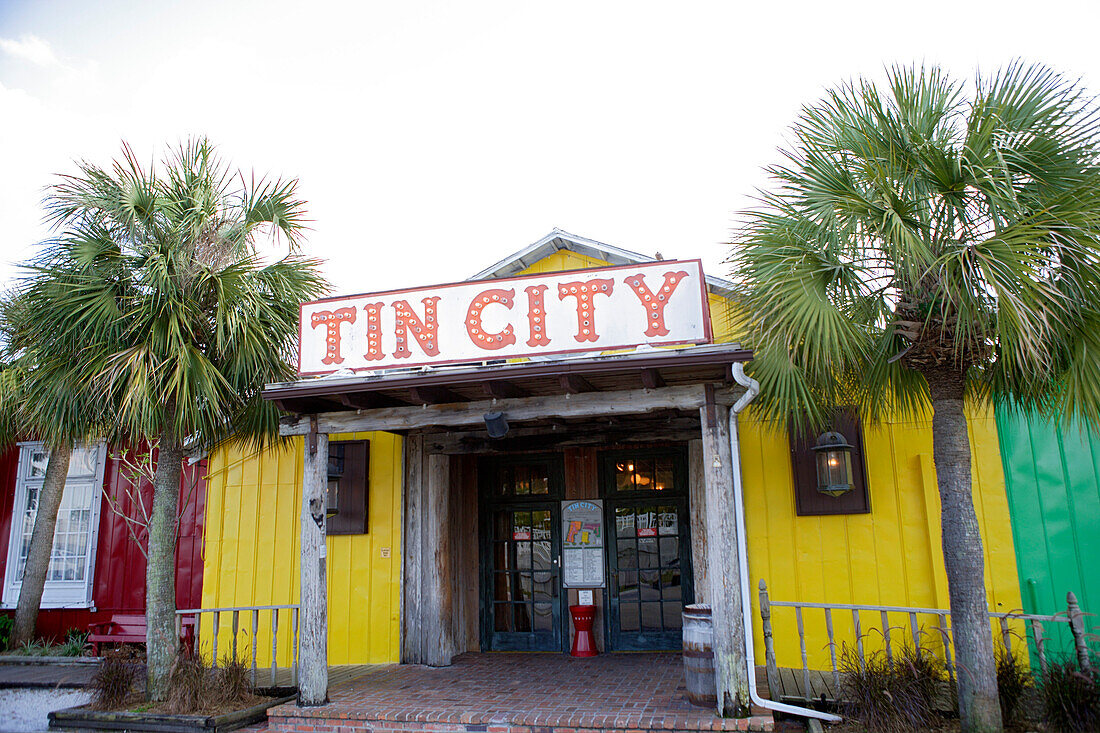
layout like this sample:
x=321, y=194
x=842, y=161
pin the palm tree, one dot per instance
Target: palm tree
x=926, y=245
x=180, y=323
x=40, y=397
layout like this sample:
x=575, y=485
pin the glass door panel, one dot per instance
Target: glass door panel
x=521, y=597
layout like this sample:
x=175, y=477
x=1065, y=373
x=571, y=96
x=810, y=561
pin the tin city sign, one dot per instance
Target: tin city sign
x=601, y=309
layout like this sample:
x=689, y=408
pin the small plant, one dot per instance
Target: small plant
x=891, y=696
x=187, y=685
x=6, y=623
x=232, y=681
x=113, y=682
x=74, y=645
x=34, y=648
x=1014, y=684
x=1071, y=697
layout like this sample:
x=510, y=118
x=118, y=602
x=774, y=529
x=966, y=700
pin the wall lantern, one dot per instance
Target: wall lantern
x=834, y=464
x=496, y=424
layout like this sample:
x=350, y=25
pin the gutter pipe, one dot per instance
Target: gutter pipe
x=753, y=389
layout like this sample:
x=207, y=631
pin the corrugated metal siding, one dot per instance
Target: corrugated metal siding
x=1052, y=475
x=252, y=555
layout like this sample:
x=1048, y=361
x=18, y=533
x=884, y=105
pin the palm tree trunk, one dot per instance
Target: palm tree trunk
x=38, y=555
x=160, y=572
x=964, y=561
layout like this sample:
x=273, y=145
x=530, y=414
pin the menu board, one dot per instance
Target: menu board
x=582, y=543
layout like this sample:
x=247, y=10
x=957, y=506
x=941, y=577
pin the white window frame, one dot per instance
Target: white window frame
x=55, y=593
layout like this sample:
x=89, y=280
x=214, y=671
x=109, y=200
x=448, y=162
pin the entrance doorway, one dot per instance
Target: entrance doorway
x=522, y=602
x=649, y=555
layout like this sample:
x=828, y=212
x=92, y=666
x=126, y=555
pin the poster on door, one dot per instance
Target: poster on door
x=582, y=543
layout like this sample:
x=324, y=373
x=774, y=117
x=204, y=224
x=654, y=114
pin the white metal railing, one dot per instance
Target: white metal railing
x=1073, y=617
x=289, y=613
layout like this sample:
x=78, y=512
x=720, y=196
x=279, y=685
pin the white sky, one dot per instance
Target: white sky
x=433, y=138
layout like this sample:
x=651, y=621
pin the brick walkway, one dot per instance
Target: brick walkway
x=515, y=693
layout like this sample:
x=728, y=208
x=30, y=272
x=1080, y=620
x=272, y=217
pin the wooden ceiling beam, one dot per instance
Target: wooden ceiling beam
x=652, y=379
x=576, y=384
x=504, y=389
x=435, y=395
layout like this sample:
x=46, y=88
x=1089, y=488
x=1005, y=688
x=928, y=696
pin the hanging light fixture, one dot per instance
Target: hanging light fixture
x=496, y=424
x=834, y=464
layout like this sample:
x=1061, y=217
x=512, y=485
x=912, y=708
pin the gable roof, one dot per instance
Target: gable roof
x=558, y=240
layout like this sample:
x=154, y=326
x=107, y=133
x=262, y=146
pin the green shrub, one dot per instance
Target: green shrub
x=6, y=624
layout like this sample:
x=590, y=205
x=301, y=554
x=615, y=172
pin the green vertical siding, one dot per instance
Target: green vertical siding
x=1052, y=478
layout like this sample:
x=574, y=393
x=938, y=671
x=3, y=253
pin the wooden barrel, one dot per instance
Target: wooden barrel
x=699, y=655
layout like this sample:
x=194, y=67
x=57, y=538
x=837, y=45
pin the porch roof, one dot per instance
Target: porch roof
x=643, y=368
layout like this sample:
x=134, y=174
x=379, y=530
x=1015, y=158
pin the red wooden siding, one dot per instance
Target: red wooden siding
x=119, y=575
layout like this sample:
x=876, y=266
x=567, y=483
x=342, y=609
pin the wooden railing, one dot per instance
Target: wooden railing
x=262, y=618
x=1073, y=617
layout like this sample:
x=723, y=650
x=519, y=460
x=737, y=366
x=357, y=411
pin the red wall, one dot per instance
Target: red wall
x=118, y=581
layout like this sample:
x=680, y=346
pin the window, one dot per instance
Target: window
x=348, y=472
x=69, y=578
x=809, y=501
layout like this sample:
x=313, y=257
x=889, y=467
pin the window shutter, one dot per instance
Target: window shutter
x=352, y=488
x=808, y=500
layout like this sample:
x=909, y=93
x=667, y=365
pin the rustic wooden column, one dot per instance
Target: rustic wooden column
x=437, y=596
x=723, y=573
x=697, y=506
x=428, y=616
x=412, y=647
x=313, y=616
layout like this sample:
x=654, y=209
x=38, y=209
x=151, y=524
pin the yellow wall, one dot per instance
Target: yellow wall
x=251, y=552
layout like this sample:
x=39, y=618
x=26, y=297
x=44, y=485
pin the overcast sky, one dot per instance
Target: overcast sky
x=433, y=138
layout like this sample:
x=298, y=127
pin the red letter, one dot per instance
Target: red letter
x=489, y=341
x=423, y=330
x=536, y=315
x=332, y=321
x=655, y=304
x=586, y=311
x=374, y=332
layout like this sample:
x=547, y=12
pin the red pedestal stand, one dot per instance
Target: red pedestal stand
x=584, y=643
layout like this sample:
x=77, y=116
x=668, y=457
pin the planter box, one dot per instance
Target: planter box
x=85, y=718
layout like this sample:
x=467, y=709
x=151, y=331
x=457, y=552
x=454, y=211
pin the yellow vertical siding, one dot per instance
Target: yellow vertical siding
x=890, y=557
x=251, y=553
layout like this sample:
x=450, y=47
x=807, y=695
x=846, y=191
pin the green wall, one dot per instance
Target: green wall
x=1052, y=478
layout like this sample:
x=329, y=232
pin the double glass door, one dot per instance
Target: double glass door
x=521, y=597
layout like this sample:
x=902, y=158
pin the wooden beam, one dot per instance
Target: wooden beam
x=724, y=592
x=412, y=565
x=435, y=395
x=503, y=389
x=697, y=510
x=575, y=384
x=652, y=379
x=370, y=400
x=437, y=601
x=313, y=616
x=596, y=404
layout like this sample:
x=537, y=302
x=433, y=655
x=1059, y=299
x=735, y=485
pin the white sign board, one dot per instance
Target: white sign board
x=582, y=543
x=582, y=310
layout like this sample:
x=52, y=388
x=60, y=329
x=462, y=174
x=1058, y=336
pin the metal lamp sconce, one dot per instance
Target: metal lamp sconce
x=496, y=424
x=834, y=464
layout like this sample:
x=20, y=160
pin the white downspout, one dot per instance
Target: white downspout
x=753, y=389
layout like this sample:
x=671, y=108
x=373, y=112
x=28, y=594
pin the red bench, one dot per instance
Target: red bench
x=129, y=628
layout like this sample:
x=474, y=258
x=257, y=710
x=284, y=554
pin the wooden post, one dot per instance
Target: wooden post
x=412, y=647
x=774, y=687
x=1077, y=628
x=313, y=629
x=697, y=506
x=723, y=567
x=437, y=597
